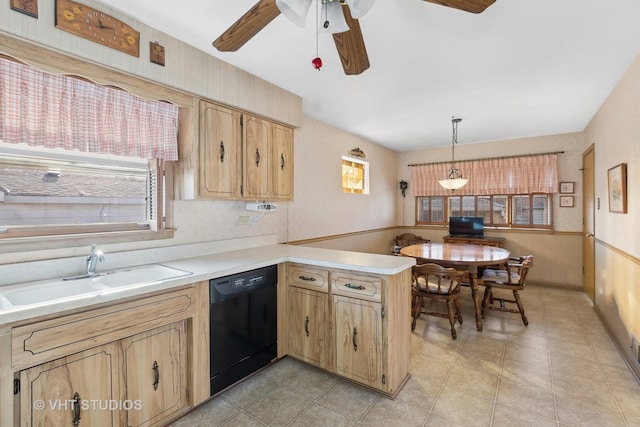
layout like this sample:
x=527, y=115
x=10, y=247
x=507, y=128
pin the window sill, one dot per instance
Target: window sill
x=39, y=243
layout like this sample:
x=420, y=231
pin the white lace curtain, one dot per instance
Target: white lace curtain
x=508, y=175
x=54, y=111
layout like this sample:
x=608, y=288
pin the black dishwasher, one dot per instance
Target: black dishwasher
x=243, y=322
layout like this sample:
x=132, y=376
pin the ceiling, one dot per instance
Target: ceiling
x=521, y=68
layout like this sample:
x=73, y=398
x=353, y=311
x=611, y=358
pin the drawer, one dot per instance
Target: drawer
x=41, y=342
x=307, y=277
x=355, y=286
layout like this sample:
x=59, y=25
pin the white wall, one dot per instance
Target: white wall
x=320, y=207
x=615, y=134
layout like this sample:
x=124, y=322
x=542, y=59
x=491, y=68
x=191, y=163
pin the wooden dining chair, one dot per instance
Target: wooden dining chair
x=438, y=283
x=407, y=239
x=513, y=277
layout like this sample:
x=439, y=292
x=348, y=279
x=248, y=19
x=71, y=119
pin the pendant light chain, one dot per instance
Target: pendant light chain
x=454, y=125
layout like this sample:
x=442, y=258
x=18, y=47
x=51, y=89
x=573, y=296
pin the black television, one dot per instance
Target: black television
x=470, y=226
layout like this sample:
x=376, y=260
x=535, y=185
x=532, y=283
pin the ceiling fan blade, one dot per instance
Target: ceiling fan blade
x=247, y=26
x=473, y=6
x=350, y=46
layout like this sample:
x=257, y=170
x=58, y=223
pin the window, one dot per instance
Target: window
x=519, y=210
x=49, y=191
x=78, y=158
x=505, y=191
x=355, y=176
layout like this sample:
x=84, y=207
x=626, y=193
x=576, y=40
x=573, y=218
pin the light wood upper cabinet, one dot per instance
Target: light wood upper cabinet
x=243, y=156
x=220, y=166
x=267, y=160
x=282, y=167
x=256, y=156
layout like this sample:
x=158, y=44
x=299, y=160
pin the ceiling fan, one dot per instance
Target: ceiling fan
x=349, y=42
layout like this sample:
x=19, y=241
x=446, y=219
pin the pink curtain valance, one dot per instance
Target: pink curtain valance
x=54, y=111
x=508, y=175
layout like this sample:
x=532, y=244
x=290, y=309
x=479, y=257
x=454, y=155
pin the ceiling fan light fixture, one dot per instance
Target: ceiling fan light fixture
x=295, y=10
x=332, y=19
x=359, y=8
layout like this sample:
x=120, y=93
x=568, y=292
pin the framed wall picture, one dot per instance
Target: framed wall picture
x=617, y=179
x=28, y=7
x=566, y=187
x=566, y=201
x=156, y=53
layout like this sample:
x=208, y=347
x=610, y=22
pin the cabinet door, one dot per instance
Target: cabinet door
x=282, y=164
x=255, y=157
x=154, y=371
x=220, y=144
x=358, y=340
x=308, y=327
x=82, y=387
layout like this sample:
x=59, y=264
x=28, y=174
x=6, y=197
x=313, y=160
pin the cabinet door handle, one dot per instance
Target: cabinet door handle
x=353, y=338
x=156, y=375
x=306, y=326
x=307, y=278
x=257, y=157
x=356, y=287
x=221, y=151
x=76, y=409
x=282, y=161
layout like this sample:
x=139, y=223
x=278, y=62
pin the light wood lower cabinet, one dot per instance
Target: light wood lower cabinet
x=65, y=392
x=155, y=374
x=366, y=334
x=141, y=362
x=138, y=381
x=359, y=340
x=308, y=332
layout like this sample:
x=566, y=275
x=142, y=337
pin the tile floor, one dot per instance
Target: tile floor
x=561, y=370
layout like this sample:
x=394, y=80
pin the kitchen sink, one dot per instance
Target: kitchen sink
x=85, y=286
x=140, y=275
x=48, y=291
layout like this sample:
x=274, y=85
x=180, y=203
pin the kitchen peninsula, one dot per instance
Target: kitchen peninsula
x=363, y=301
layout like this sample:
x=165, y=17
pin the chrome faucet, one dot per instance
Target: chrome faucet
x=94, y=257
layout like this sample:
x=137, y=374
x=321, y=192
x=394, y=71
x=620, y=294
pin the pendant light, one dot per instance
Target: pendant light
x=455, y=180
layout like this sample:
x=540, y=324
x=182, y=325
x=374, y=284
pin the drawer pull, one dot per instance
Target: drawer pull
x=156, y=375
x=353, y=338
x=221, y=151
x=257, y=157
x=307, y=278
x=76, y=409
x=357, y=287
x=306, y=326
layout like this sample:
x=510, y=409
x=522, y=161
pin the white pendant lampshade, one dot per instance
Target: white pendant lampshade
x=359, y=8
x=295, y=10
x=453, y=183
x=332, y=18
x=455, y=180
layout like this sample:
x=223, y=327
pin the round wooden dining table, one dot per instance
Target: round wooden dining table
x=461, y=256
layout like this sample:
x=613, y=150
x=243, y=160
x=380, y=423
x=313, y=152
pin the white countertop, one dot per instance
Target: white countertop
x=217, y=265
